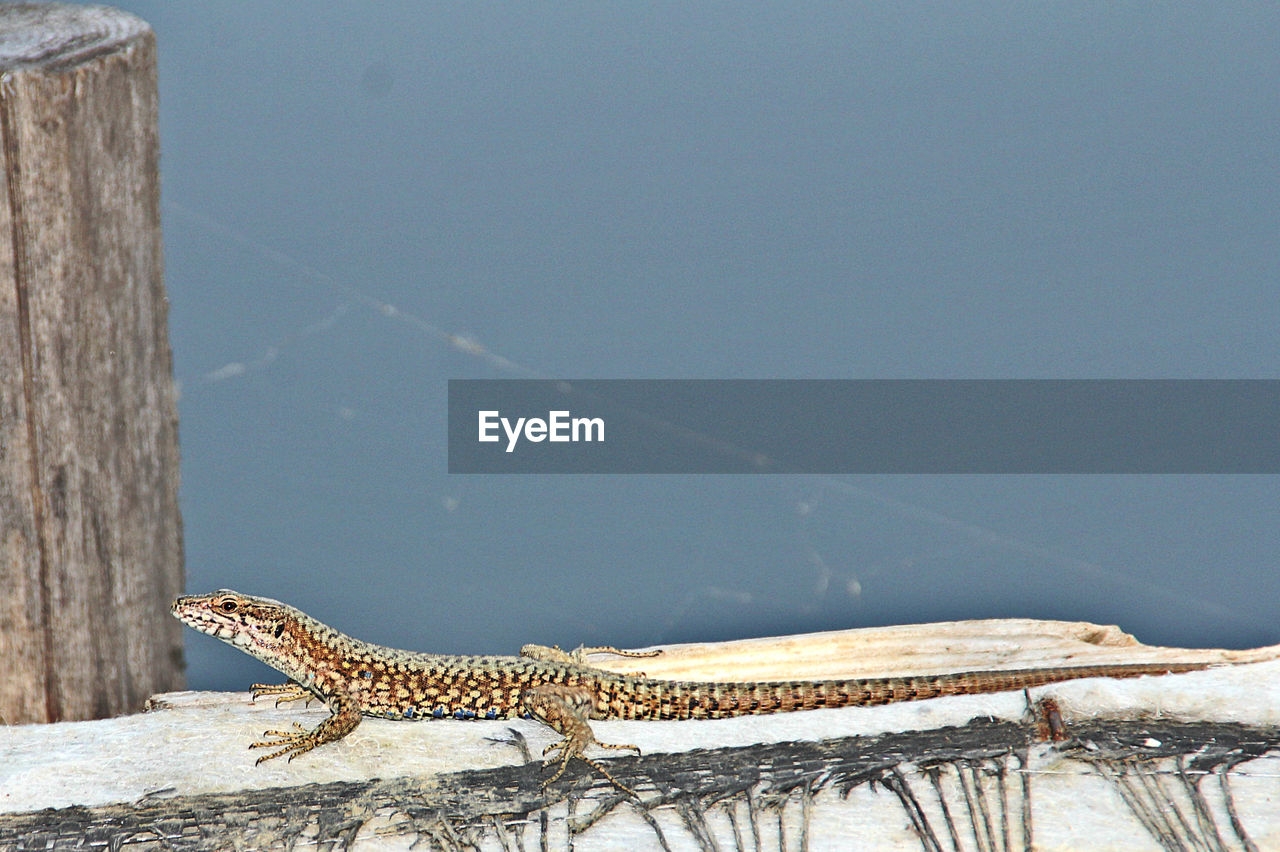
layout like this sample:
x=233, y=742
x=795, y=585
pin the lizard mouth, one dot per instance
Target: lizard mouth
x=188, y=610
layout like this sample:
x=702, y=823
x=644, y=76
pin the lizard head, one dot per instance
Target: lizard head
x=257, y=626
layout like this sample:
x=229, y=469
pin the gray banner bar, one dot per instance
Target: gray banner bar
x=864, y=426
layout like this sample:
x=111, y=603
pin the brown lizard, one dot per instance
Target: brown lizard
x=355, y=678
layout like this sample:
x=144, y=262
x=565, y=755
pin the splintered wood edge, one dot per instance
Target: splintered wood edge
x=954, y=646
x=54, y=36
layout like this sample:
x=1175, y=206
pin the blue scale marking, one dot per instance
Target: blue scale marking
x=440, y=713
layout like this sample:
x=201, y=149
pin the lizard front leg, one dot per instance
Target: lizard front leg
x=346, y=715
x=566, y=709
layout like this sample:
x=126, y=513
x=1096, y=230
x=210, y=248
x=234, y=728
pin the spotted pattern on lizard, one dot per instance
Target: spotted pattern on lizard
x=356, y=678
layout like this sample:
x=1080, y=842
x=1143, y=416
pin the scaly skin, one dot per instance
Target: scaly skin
x=355, y=679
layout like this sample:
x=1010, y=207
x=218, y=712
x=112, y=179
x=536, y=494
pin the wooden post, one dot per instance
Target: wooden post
x=90, y=534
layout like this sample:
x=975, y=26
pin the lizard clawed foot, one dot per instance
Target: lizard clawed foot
x=578, y=656
x=293, y=743
x=571, y=747
x=583, y=650
x=286, y=691
x=581, y=654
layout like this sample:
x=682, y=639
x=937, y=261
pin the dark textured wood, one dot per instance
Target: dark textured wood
x=90, y=534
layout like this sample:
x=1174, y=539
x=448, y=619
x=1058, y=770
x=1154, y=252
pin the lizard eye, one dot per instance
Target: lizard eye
x=228, y=605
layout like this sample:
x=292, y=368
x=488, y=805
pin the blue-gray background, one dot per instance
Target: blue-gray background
x=689, y=190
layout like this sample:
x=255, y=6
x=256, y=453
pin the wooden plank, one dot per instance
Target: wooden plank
x=90, y=535
x=1178, y=761
x=985, y=785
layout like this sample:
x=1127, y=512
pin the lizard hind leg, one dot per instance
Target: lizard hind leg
x=566, y=709
x=580, y=655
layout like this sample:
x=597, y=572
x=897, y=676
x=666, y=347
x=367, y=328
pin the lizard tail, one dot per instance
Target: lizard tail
x=691, y=700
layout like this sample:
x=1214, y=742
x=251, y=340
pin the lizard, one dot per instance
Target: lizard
x=354, y=679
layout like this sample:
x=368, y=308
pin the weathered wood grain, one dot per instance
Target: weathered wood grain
x=90, y=534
